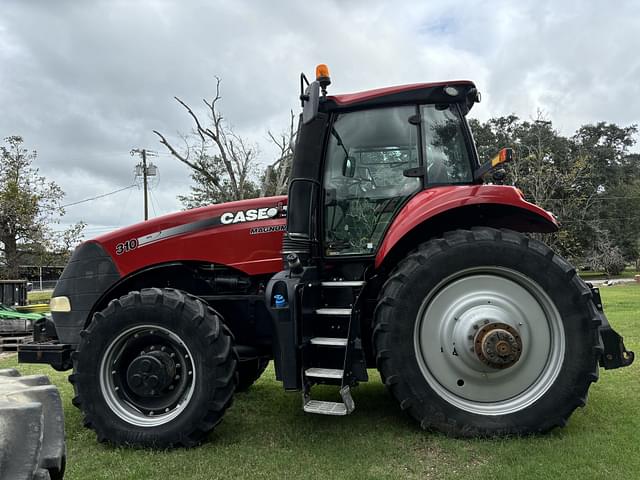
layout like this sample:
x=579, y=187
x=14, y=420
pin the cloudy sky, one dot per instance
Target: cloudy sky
x=84, y=82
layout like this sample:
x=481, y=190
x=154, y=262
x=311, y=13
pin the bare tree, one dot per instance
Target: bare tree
x=223, y=163
x=276, y=175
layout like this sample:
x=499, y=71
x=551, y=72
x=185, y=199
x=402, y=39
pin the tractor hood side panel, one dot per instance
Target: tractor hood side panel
x=245, y=235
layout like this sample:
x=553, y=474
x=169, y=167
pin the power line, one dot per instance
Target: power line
x=153, y=207
x=98, y=196
x=154, y=201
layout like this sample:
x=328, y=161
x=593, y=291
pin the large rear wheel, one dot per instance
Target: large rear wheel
x=155, y=368
x=487, y=332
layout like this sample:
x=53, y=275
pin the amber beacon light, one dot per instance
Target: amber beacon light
x=322, y=77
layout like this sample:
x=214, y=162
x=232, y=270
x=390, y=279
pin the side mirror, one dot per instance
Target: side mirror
x=349, y=167
x=310, y=101
x=504, y=155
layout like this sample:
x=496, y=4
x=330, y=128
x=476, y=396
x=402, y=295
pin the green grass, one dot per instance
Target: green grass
x=266, y=435
x=39, y=296
x=591, y=275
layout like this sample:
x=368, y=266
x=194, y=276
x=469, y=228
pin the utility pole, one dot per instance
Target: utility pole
x=145, y=171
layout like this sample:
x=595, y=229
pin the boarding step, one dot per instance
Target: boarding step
x=329, y=342
x=337, y=312
x=325, y=408
x=343, y=283
x=324, y=373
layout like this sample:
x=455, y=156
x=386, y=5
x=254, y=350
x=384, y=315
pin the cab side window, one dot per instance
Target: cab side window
x=445, y=149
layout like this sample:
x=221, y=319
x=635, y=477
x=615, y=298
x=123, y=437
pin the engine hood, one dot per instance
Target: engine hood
x=245, y=234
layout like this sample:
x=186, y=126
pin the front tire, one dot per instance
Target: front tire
x=487, y=332
x=156, y=368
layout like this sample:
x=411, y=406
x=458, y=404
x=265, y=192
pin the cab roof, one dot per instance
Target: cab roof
x=413, y=93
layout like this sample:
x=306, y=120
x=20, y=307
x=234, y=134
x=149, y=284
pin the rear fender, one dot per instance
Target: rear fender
x=439, y=209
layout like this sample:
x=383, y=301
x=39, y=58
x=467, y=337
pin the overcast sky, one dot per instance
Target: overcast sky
x=84, y=82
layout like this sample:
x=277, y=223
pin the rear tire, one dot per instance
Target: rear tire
x=156, y=368
x=447, y=307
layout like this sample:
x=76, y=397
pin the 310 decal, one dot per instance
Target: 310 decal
x=126, y=246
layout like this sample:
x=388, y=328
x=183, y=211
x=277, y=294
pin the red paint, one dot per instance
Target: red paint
x=348, y=98
x=230, y=245
x=429, y=203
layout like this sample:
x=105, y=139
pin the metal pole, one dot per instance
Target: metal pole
x=40, y=268
x=144, y=181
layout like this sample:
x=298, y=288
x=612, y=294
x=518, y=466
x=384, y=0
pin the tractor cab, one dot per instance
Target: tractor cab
x=359, y=160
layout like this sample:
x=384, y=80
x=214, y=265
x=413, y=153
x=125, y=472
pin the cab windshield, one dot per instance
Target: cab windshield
x=368, y=154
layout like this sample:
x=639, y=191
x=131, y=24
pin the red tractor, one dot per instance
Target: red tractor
x=389, y=252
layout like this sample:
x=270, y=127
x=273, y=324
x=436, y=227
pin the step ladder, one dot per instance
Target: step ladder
x=322, y=354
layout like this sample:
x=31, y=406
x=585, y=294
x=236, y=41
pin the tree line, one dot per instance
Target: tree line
x=589, y=180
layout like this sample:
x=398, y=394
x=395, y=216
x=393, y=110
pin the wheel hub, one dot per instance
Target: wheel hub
x=150, y=373
x=498, y=345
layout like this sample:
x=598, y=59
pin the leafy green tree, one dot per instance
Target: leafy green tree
x=29, y=206
x=589, y=181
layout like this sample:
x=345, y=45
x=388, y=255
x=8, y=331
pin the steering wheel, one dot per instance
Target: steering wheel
x=346, y=185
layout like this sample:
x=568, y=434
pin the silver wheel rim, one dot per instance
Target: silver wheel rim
x=444, y=340
x=113, y=395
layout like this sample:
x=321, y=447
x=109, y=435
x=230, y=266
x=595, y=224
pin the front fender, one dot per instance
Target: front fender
x=438, y=202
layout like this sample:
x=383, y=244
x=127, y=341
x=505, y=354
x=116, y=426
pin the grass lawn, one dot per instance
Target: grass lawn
x=39, y=296
x=591, y=275
x=266, y=435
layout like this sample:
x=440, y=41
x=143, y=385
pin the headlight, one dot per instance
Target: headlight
x=60, y=304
